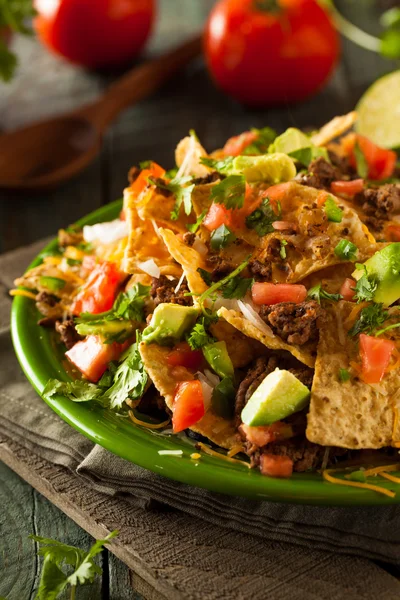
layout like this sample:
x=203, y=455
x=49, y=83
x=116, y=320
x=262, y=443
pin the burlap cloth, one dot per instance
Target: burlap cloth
x=348, y=538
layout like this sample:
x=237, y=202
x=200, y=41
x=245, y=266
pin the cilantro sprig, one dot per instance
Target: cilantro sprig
x=318, y=293
x=366, y=287
x=346, y=250
x=265, y=137
x=193, y=227
x=230, y=191
x=199, y=337
x=182, y=192
x=223, y=283
x=56, y=577
x=14, y=14
x=221, y=237
x=370, y=318
x=262, y=218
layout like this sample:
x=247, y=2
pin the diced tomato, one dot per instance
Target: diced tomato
x=375, y=356
x=261, y=436
x=284, y=225
x=99, y=292
x=347, y=289
x=274, y=293
x=381, y=162
x=188, y=405
x=322, y=197
x=393, y=233
x=348, y=188
x=276, y=192
x=141, y=182
x=276, y=466
x=217, y=215
x=91, y=356
x=237, y=144
x=183, y=356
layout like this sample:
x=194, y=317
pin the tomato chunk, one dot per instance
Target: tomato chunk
x=274, y=293
x=393, y=233
x=184, y=356
x=348, y=188
x=141, y=182
x=217, y=215
x=375, y=356
x=237, y=144
x=278, y=191
x=188, y=405
x=276, y=466
x=347, y=289
x=261, y=436
x=381, y=162
x=91, y=356
x=99, y=292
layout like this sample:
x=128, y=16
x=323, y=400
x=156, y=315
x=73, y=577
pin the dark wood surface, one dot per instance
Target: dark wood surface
x=44, y=86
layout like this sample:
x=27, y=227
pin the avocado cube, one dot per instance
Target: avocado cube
x=384, y=269
x=169, y=324
x=219, y=360
x=280, y=394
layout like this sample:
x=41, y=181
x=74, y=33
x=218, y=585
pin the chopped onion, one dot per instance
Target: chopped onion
x=207, y=390
x=176, y=290
x=150, y=267
x=250, y=313
x=212, y=377
x=106, y=233
x=229, y=303
x=200, y=246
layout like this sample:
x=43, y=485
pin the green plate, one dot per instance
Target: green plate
x=41, y=360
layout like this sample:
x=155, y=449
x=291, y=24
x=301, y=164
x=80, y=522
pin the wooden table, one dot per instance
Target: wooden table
x=44, y=85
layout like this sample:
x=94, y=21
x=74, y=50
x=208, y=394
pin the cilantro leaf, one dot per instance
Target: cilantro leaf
x=371, y=317
x=198, y=336
x=361, y=161
x=346, y=250
x=205, y=275
x=262, y=218
x=181, y=191
x=78, y=390
x=57, y=556
x=344, y=375
x=194, y=226
x=221, y=166
x=230, y=191
x=332, y=210
x=221, y=237
x=365, y=288
x=237, y=287
x=220, y=284
x=265, y=137
x=317, y=293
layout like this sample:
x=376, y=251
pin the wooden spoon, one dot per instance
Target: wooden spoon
x=45, y=154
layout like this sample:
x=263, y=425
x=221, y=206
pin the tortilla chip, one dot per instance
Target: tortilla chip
x=189, y=258
x=309, y=253
x=165, y=378
x=158, y=208
x=353, y=414
x=336, y=127
x=305, y=354
x=242, y=349
x=187, y=156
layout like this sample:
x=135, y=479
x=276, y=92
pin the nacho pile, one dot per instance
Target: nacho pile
x=251, y=301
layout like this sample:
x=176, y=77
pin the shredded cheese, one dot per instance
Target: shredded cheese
x=366, y=486
x=380, y=469
x=369, y=235
x=235, y=450
x=52, y=260
x=211, y=452
x=148, y=425
x=23, y=293
x=195, y=456
x=390, y=477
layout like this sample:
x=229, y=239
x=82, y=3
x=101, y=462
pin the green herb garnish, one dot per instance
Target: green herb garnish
x=221, y=166
x=262, y=218
x=265, y=137
x=230, y=191
x=346, y=250
x=370, y=318
x=198, y=336
x=221, y=237
x=344, y=375
x=220, y=284
x=195, y=226
x=332, y=210
x=181, y=191
x=237, y=287
x=318, y=294
x=366, y=287
x=205, y=275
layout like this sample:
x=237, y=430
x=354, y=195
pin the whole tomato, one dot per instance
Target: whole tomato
x=94, y=33
x=265, y=52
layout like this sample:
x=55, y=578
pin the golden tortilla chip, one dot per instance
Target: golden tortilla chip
x=334, y=128
x=241, y=349
x=352, y=414
x=313, y=247
x=158, y=208
x=165, y=378
x=188, y=258
x=305, y=354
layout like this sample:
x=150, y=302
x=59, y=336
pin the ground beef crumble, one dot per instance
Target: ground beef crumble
x=294, y=323
x=163, y=290
x=380, y=203
x=68, y=334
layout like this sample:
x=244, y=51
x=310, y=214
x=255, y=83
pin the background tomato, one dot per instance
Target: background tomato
x=262, y=56
x=94, y=33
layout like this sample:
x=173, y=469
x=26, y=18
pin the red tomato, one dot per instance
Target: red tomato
x=347, y=289
x=95, y=34
x=381, y=162
x=91, y=356
x=183, y=356
x=217, y=215
x=393, y=233
x=276, y=466
x=274, y=293
x=188, y=405
x=235, y=145
x=375, y=356
x=99, y=292
x=275, y=193
x=261, y=436
x=348, y=188
x=263, y=57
